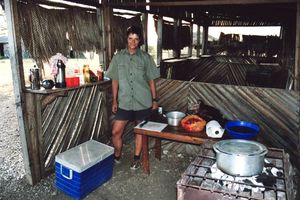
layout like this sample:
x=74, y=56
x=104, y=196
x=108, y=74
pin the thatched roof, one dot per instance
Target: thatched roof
x=213, y=13
x=44, y=30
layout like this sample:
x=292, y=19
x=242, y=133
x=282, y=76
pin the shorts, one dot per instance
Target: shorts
x=131, y=115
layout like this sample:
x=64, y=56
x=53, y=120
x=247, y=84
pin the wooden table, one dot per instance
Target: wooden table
x=169, y=133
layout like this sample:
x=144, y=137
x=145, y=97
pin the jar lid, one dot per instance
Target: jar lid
x=240, y=147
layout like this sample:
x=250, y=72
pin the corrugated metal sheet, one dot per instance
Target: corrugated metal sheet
x=275, y=110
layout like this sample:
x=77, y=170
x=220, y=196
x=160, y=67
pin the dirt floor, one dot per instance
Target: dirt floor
x=125, y=183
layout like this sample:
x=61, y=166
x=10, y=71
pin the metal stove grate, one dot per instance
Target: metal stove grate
x=198, y=180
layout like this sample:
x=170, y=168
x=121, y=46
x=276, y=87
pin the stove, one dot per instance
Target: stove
x=203, y=180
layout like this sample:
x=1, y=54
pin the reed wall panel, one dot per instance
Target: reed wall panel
x=229, y=70
x=62, y=120
x=275, y=110
x=69, y=118
x=172, y=94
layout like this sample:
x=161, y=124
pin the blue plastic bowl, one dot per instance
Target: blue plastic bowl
x=242, y=129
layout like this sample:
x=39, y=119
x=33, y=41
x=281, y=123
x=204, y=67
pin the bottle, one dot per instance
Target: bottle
x=86, y=73
x=60, y=77
x=34, y=78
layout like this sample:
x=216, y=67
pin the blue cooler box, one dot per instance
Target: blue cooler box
x=83, y=168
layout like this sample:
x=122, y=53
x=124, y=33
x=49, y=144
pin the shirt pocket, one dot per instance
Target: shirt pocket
x=122, y=71
x=140, y=70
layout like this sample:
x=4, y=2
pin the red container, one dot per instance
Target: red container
x=72, y=82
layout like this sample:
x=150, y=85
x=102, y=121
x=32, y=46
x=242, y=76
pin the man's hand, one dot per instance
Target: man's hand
x=114, y=107
x=154, y=105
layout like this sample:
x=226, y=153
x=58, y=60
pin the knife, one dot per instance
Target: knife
x=143, y=123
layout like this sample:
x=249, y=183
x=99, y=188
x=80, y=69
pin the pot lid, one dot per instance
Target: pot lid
x=240, y=147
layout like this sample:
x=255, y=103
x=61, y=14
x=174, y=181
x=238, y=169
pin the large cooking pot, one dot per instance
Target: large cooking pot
x=240, y=157
x=174, y=117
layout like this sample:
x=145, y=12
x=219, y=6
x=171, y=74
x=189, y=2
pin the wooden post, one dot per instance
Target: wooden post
x=191, y=42
x=159, y=39
x=204, y=39
x=108, y=20
x=176, y=50
x=198, y=41
x=283, y=39
x=102, y=54
x=145, y=31
x=297, y=67
x=297, y=50
x=15, y=52
x=287, y=54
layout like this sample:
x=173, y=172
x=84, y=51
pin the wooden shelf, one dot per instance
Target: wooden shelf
x=56, y=90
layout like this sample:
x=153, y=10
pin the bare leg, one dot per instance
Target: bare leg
x=117, y=132
x=138, y=143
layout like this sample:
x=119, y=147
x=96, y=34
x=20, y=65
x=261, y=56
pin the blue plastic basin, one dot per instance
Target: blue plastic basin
x=241, y=129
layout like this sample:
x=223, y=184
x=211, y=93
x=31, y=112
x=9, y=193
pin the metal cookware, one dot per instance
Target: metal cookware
x=240, y=157
x=34, y=78
x=48, y=84
x=174, y=117
x=60, y=77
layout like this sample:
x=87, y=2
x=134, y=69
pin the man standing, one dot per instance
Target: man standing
x=133, y=89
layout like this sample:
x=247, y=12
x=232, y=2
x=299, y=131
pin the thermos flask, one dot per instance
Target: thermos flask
x=34, y=78
x=60, y=78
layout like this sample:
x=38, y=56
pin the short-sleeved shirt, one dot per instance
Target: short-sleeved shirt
x=133, y=73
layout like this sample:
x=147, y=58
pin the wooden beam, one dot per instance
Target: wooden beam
x=196, y=3
x=297, y=50
x=100, y=21
x=176, y=50
x=15, y=51
x=145, y=31
x=198, y=41
x=64, y=4
x=191, y=42
x=159, y=39
x=34, y=136
x=108, y=20
x=297, y=70
x=204, y=39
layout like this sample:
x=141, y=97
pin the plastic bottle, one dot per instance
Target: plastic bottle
x=86, y=73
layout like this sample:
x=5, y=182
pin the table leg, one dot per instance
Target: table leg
x=145, y=154
x=158, y=148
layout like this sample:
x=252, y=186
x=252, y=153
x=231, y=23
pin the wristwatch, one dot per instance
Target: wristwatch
x=154, y=99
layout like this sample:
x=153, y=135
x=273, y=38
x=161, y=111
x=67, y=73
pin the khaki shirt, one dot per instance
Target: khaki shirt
x=133, y=73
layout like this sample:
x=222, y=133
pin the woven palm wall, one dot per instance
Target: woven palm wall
x=61, y=120
x=172, y=96
x=275, y=110
x=224, y=70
